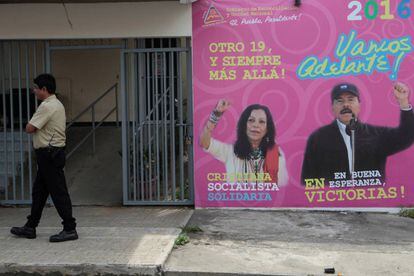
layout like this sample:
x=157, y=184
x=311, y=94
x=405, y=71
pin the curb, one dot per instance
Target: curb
x=79, y=269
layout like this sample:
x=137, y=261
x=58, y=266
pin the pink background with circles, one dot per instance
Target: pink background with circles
x=298, y=106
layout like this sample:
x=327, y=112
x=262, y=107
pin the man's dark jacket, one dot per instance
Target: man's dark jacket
x=326, y=151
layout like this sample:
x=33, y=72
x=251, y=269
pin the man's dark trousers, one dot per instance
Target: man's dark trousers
x=50, y=179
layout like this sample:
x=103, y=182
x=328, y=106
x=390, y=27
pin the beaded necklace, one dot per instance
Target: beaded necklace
x=256, y=159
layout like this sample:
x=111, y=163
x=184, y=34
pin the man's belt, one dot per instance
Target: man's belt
x=49, y=149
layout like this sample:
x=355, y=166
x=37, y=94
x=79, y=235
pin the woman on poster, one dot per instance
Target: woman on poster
x=255, y=151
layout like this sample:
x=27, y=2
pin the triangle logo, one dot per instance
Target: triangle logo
x=212, y=16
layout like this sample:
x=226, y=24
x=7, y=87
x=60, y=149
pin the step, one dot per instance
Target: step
x=9, y=147
x=25, y=138
x=10, y=162
x=2, y=183
x=10, y=155
x=17, y=162
x=133, y=251
x=10, y=168
x=9, y=171
x=17, y=142
x=16, y=135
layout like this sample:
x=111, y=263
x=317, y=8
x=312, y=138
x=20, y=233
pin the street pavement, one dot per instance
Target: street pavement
x=140, y=241
x=237, y=242
x=112, y=241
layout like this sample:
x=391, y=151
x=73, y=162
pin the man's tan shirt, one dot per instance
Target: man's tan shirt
x=50, y=121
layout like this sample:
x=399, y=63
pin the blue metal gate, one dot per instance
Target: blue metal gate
x=156, y=93
x=20, y=62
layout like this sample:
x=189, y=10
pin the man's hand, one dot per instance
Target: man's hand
x=222, y=105
x=402, y=93
x=30, y=128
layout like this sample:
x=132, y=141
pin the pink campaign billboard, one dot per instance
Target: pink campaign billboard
x=305, y=106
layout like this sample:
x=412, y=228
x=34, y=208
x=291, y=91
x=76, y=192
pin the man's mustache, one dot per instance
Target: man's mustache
x=346, y=110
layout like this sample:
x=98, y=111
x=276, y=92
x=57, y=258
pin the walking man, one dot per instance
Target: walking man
x=48, y=126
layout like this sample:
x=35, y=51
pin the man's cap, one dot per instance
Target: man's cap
x=341, y=88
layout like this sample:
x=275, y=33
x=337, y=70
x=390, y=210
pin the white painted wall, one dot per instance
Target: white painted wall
x=82, y=76
x=96, y=20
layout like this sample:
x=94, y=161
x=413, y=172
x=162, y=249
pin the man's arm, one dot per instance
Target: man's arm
x=39, y=119
x=30, y=128
x=401, y=94
x=402, y=137
x=310, y=162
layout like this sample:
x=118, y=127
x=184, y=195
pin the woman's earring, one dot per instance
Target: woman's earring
x=267, y=139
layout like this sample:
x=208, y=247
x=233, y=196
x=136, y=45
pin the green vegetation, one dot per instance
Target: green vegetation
x=183, y=237
x=408, y=213
x=191, y=229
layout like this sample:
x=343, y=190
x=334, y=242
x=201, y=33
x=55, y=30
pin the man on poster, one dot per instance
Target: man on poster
x=348, y=148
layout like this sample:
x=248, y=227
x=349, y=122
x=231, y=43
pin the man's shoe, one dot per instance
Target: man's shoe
x=64, y=236
x=24, y=232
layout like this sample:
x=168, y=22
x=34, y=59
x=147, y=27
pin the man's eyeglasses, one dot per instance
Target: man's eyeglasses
x=350, y=100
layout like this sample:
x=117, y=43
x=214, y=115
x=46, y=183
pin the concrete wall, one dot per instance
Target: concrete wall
x=96, y=20
x=83, y=75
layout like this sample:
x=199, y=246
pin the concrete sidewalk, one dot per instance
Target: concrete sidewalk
x=117, y=240
x=236, y=242
x=139, y=240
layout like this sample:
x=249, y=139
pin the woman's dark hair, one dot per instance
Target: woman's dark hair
x=46, y=80
x=242, y=147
